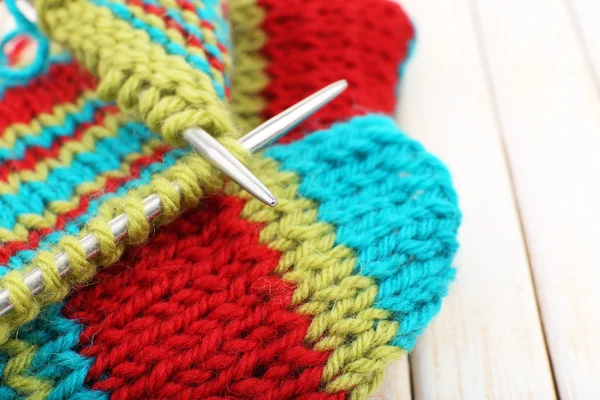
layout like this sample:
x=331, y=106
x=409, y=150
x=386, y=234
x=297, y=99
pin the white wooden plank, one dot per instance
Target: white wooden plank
x=586, y=14
x=550, y=111
x=487, y=342
x=396, y=384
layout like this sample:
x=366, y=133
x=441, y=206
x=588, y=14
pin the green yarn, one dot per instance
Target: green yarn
x=250, y=77
x=163, y=90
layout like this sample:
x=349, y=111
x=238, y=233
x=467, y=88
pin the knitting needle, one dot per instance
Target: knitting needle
x=214, y=151
x=152, y=204
x=221, y=158
x=283, y=122
x=265, y=134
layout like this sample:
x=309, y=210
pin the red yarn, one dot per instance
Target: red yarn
x=10, y=248
x=191, y=40
x=198, y=313
x=312, y=43
x=63, y=83
x=33, y=155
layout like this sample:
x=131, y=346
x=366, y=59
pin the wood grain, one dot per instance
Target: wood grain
x=585, y=14
x=487, y=343
x=396, y=385
x=550, y=112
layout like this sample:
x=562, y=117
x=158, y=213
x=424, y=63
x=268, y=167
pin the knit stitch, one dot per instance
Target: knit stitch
x=43, y=361
x=139, y=67
x=309, y=300
x=324, y=282
x=313, y=43
x=192, y=174
x=392, y=203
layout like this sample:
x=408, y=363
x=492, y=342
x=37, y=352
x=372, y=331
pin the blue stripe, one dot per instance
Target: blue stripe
x=222, y=26
x=157, y=36
x=390, y=201
x=209, y=13
x=189, y=28
x=22, y=258
x=60, y=184
x=56, y=359
x=49, y=133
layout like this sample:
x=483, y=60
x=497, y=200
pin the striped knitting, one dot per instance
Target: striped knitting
x=309, y=300
x=76, y=180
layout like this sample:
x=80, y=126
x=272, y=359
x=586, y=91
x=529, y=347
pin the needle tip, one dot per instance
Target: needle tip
x=342, y=83
x=264, y=195
x=336, y=88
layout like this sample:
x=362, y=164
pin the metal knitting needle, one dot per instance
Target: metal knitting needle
x=283, y=122
x=221, y=158
x=214, y=151
x=266, y=133
x=286, y=121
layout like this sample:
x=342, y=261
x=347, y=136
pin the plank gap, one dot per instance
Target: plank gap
x=487, y=341
x=485, y=61
x=547, y=100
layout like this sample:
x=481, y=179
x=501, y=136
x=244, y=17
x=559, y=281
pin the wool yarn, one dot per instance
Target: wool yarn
x=234, y=300
x=37, y=204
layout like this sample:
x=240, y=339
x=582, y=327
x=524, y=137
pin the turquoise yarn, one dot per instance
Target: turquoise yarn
x=24, y=28
x=24, y=257
x=49, y=134
x=159, y=37
x=33, y=197
x=56, y=359
x=392, y=202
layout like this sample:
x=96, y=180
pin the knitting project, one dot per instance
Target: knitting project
x=233, y=300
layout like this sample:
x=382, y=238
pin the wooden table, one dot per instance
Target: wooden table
x=507, y=93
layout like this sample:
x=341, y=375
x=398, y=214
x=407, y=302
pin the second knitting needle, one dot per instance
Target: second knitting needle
x=220, y=157
x=287, y=120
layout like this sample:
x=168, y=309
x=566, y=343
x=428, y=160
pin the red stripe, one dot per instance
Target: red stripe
x=208, y=25
x=198, y=312
x=186, y=5
x=8, y=249
x=34, y=155
x=63, y=84
x=312, y=43
x=222, y=47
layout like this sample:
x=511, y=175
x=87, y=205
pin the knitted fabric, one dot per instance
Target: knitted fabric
x=109, y=166
x=144, y=62
x=234, y=300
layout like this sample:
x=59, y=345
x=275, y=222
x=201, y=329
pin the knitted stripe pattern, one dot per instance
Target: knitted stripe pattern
x=111, y=164
x=167, y=81
x=308, y=300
